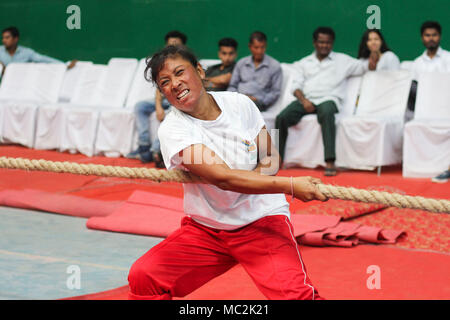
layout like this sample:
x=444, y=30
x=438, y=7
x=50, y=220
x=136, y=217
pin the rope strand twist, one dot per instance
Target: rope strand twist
x=332, y=192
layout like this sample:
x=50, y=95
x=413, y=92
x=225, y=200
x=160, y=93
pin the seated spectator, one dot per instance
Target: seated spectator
x=375, y=53
x=143, y=110
x=218, y=77
x=318, y=87
x=259, y=76
x=433, y=59
x=11, y=51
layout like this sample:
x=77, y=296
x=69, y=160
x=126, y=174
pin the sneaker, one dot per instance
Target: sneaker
x=442, y=178
x=330, y=172
x=135, y=154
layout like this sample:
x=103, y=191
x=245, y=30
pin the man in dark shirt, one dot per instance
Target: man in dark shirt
x=218, y=76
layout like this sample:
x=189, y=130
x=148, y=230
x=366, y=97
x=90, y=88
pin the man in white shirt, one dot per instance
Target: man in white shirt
x=319, y=88
x=433, y=59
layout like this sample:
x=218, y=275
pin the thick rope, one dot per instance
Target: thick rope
x=332, y=192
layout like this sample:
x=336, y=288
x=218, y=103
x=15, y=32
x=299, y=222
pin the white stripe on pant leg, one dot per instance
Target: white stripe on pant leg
x=299, y=258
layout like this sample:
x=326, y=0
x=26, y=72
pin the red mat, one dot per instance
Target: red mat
x=340, y=274
x=57, y=203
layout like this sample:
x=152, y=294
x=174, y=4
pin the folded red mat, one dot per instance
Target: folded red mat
x=330, y=231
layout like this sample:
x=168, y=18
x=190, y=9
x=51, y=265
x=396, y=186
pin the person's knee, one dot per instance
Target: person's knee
x=141, y=279
x=141, y=107
x=326, y=112
x=280, y=120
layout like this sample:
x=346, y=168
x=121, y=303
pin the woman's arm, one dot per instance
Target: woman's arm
x=203, y=162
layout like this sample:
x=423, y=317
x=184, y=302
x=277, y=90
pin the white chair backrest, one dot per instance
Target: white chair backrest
x=88, y=84
x=352, y=89
x=16, y=79
x=406, y=65
x=433, y=96
x=206, y=63
x=384, y=93
x=71, y=80
x=37, y=82
x=141, y=89
x=115, y=85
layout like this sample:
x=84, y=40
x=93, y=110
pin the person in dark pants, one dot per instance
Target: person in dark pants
x=318, y=87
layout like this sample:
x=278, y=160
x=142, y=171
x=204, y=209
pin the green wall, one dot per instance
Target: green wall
x=135, y=28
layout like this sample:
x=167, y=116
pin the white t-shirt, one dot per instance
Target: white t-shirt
x=439, y=63
x=232, y=137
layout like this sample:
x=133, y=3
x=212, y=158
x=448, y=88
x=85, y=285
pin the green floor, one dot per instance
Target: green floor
x=45, y=256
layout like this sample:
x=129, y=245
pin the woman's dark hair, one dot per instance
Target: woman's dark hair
x=156, y=62
x=324, y=30
x=364, y=51
x=430, y=25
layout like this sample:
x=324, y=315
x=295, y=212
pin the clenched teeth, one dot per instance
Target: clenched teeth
x=182, y=94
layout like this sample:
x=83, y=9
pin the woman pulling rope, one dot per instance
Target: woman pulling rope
x=237, y=211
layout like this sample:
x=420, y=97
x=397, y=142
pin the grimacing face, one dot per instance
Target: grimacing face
x=181, y=83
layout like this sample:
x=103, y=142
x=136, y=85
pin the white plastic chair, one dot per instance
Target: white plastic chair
x=70, y=81
x=304, y=145
x=72, y=126
x=141, y=89
x=426, y=147
x=374, y=136
x=101, y=97
x=116, y=123
x=25, y=87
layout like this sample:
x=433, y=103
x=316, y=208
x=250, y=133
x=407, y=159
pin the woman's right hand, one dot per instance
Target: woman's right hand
x=373, y=59
x=305, y=189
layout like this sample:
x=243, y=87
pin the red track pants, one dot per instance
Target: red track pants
x=195, y=254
